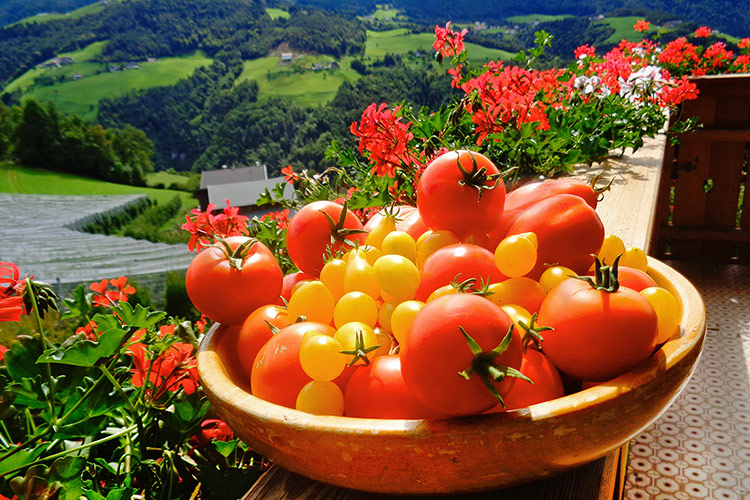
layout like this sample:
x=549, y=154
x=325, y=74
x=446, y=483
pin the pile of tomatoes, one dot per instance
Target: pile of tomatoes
x=476, y=300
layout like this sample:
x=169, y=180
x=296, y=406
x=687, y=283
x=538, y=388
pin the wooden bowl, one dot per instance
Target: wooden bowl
x=471, y=453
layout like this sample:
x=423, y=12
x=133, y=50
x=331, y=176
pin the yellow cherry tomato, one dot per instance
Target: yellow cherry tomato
x=332, y=275
x=668, y=311
x=518, y=314
x=522, y=291
x=320, y=357
x=355, y=306
x=516, y=255
x=400, y=243
x=612, y=247
x=432, y=243
x=321, y=398
x=636, y=258
x=360, y=276
x=381, y=229
x=357, y=340
x=552, y=276
x=442, y=291
x=402, y=317
x=312, y=300
x=397, y=276
x=384, y=314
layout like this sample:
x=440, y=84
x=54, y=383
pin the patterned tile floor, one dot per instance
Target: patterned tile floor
x=700, y=448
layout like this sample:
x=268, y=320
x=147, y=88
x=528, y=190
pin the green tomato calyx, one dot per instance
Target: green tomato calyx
x=605, y=277
x=484, y=364
x=339, y=233
x=237, y=256
x=531, y=332
x=360, y=350
x=477, y=178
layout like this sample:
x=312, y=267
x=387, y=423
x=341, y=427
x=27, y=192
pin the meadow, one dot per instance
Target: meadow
x=23, y=180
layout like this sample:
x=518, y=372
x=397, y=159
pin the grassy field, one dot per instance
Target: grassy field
x=22, y=180
x=401, y=40
x=298, y=82
x=82, y=11
x=385, y=13
x=165, y=178
x=82, y=96
x=530, y=18
x=624, y=29
x=277, y=13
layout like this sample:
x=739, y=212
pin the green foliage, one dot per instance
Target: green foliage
x=42, y=138
x=176, y=300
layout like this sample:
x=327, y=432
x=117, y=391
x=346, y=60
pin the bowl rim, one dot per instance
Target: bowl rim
x=214, y=374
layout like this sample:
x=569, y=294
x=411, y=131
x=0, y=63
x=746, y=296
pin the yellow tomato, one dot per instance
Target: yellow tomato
x=516, y=255
x=667, y=309
x=397, y=276
x=552, y=276
x=312, y=300
x=320, y=357
x=321, y=398
x=402, y=317
x=355, y=306
x=433, y=242
x=612, y=247
x=635, y=258
x=332, y=275
x=400, y=243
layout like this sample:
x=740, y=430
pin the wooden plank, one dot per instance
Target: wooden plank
x=597, y=480
x=628, y=209
x=722, y=134
x=704, y=234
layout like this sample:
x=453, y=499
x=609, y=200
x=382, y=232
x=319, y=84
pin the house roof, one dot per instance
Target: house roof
x=242, y=194
x=233, y=175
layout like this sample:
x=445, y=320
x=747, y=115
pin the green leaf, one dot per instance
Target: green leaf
x=187, y=413
x=79, y=306
x=225, y=448
x=21, y=357
x=22, y=458
x=85, y=352
x=140, y=317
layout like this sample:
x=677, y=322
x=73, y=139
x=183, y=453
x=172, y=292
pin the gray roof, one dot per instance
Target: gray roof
x=243, y=194
x=233, y=175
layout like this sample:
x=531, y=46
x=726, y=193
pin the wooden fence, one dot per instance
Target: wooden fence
x=703, y=207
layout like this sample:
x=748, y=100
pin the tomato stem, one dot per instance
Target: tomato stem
x=486, y=368
x=605, y=277
x=532, y=332
x=478, y=177
x=339, y=233
x=237, y=256
x=360, y=350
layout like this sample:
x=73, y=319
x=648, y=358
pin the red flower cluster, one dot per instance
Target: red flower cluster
x=11, y=292
x=385, y=137
x=510, y=95
x=449, y=43
x=642, y=25
x=89, y=330
x=281, y=217
x=204, y=227
x=289, y=175
x=173, y=369
x=212, y=428
x=3, y=350
x=107, y=297
x=703, y=32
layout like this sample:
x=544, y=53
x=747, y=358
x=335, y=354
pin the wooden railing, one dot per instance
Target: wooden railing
x=703, y=208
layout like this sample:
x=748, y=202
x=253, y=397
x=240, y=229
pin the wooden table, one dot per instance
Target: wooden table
x=603, y=479
x=627, y=210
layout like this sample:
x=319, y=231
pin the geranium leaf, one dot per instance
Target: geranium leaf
x=140, y=317
x=21, y=357
x=225, y=448
x=85, y=352
x=79, y=306
x=22, y=458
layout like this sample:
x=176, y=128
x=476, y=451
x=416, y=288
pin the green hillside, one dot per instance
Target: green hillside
x=83, y=11
x=298, y=81
x=401, y=41
x=624, y=29
x=22, y=180
x=95, y=82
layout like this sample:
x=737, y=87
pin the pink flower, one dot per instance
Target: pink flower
x=703, y=32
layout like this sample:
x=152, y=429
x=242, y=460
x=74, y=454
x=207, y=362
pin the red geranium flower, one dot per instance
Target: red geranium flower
x=385, y=137
x=3, y=350
x=703, y=32
x=642, y=25
x=205, y=228
x=107, y=297
x=449, y=43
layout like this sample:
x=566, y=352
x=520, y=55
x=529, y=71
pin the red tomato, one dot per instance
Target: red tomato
x=226, y=294
x=634, y=278
x=470, y=261
x=434, y=353
x=568, y=232
x=597, y=335
x=412, y=224
x=290, y=280
x=311, y=234
x=448, y=193
x=378, y=391
x=226, y=346
x=277, y=375
x=548, y=384
x=521, y=198
x=256, y=331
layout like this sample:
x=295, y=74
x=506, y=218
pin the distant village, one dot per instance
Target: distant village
x=59, y=62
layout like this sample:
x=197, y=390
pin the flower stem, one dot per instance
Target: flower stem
x=133, y=411
x=73, y=450
x=45, y=345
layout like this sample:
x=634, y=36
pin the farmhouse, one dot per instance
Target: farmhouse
x=286, y=57
x=241, y=186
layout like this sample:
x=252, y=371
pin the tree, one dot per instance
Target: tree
x=37, y=138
